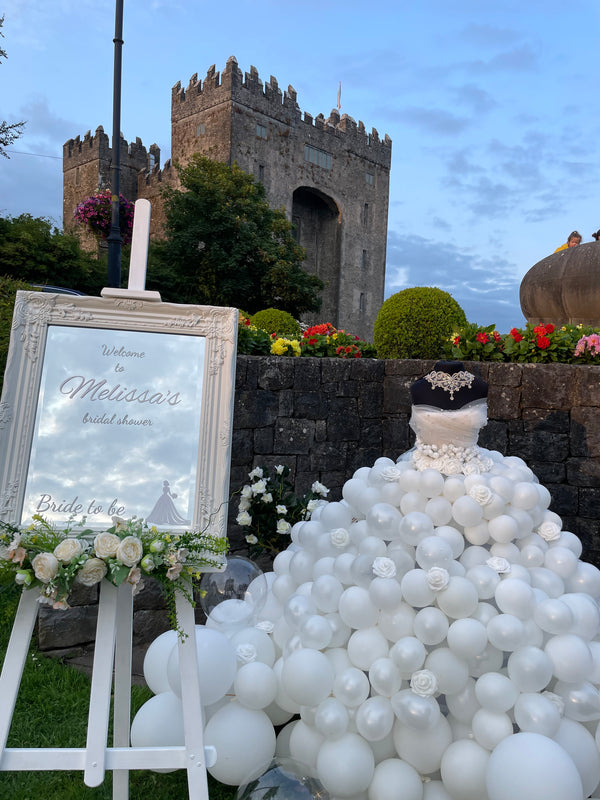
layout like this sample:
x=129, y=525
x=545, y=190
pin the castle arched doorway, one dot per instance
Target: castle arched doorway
x=317, y=219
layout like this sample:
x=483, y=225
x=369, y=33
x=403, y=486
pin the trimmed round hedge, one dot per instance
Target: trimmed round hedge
x=416, y=323
x=273, y=320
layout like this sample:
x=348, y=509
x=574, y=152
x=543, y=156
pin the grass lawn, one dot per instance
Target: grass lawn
x=52, y=711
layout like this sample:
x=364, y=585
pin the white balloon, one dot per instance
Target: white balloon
x=435, y=790
x=581, y=746
x=490, y=727
x=536, y=713
x=478, y=534
x=423, y=748
x=243, y=738
x=335, y=515
x=581, y=700
x=515, y=597
x=562, y=561
x=464, y=704
x=506, y=632
x=459, y=599
x=384, y=521
x=528, y=765
x=281, y=562
x=342, y=568
x=451, y=671
x=340, y=632
x=315, y=632
x=346, y=765
x=433, y=551
x=463, y=770
x=415, y=526
x=412, y=502
x=298, y=608
x=408, y=654
x=255, y=685
x=430, y=625
x=586, y=615
x=351, y=687
x=305, y=743
x=416, y=589
x=385, y=677
x=570, y=657
x=307, y=676
x=394, y=779
x=331, y=718
x=467, y=637
x=283, y=587
x=496, y=692
x=503, y=528
x=466, y=511
x=484, y=579
x=374, y=719
x=530, y=669
x=367, y=645
x=525, y=496
x=159, y=722
x=217, y=664
x=490, y=660
x=282, y=744
x=326, y=592
x=586, y=578
x=453, y=537
x=414, y=711
x=397, y=623
x=385, y=593
x=356, y=608
x=156, y=660
x=439, y=510
x=260, y=640
x=553, y=616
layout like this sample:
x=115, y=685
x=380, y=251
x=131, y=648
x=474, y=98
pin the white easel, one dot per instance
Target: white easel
x=112, y=654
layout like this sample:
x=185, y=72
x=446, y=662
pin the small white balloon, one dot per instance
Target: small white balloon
x=463, y=770
x=467, y=638
x=415, y=526
x=408, y=654
x=307, y=676
x=331, y=718
x=490, y=727
x=255, y=685
x=367, y=645
x=345, y=766
x=351, y=687
x=430, y=626
x=374, y=719
x=536, y=713
x=496, y=692
x=394, y=779
x=530, y=669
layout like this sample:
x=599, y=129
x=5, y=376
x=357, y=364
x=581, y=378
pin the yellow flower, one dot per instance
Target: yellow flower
x=281, y=346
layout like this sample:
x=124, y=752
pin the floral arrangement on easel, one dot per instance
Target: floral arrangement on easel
x=55, y=559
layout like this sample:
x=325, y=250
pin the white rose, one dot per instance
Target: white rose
x=245, y=653
x=472, y=468
x=259, y=487
x=251, y=539
x=451, y=466
x=283, y=526
x=424, y=683
x=244, y=505
x=339, y=537
x=92, y=572
x=68, y=549
x=246, y=493
x=499, y=564
x=129, y=551
x=281, y=509
x=120, y=523
x=256, y=473
x=279, y=469
x=105, y=545
x=267, y=498
x=482, y=494
x=311, y=505
x=318, y=488
x=265, y=625
x=384, y=567
x=437, y=578
x=391, y=473
x=45, y=567
x=549, y=531
x=243, y=518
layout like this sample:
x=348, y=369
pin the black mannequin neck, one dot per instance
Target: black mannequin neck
x=450, y=396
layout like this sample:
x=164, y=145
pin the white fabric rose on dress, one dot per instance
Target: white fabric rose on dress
x=339, y=537
x=68, y=549
x=391, y=474
x=45, y=567
x=384, y=567
x=92, y=572
x=260, y=487
x=437, y=578
x=106, y=544
x=451, y=466
x=130, y=551
x=243, y=518
x=283, y=526
x=549, y=531
x=482, y=494
x=424, y=683
x=246, y=653
x=499, y=564
x=472, y=468
x=265, y=625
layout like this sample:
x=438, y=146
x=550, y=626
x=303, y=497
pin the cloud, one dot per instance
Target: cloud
x=488, y=35
x=486, y=288
x=432, y=120
x=478, y=100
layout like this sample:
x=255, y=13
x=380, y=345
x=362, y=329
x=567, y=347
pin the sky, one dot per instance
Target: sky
x=490, y=105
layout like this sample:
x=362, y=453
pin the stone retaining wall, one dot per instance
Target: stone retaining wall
x=324, y=418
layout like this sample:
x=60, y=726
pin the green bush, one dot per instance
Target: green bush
x=416, y=323
x=273, y=320
x=8, y=290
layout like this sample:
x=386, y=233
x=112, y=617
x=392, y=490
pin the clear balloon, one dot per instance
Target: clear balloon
x=430, y=625
x=331, y=718
x=241, y=579
x=537, y=714
x=385, y=677
x=351, y=687
x=419, y=713
x=283, y=778
x=408, y=654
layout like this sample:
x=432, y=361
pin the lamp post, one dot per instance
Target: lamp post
x=114, y=237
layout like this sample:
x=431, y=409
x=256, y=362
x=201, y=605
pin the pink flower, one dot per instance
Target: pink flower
x=174, y=572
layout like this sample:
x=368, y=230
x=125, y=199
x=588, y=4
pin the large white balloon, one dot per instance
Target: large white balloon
x=243, y=739
x=346, y=765
x=159, y=722
x=528, y=765
x=216, y=664
x=156, y=660
x=581, y=746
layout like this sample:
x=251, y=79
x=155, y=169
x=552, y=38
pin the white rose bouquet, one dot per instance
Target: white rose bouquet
x=269, y=507
x=54, y=559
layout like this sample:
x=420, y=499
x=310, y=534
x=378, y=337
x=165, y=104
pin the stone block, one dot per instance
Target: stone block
x=494, y=436
x=286, y=403
x=411, y=368
x=565, y=499
x=583, y=471
x=328, y=456
x=276, y=373
x=343, y=423
x=71, y=628
x=150, y=597
x=242, y=446
x=294, y=436
x=370, y=399
x=547, y=386
x=546, y=420
x=505, y=374
x=395, y=438
x=263, y=441
x=586, y=386
x=548, y=471
x=585, y=432
x=311, y=405
x=589, y=502
x=367, y=369
x=148, y=624
x=396, y=394
x=307, y=373
x=255, y=408
x=504, y=402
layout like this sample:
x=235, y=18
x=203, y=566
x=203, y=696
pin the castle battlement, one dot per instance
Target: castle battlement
x=248, y=89
x=78, y=151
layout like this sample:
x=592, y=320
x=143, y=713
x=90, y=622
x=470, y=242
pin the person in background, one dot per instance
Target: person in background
x=573, y=240
x=596, y=235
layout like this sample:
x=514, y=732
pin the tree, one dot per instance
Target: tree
x=226, y=246
x=33, y=250
x=9, y=132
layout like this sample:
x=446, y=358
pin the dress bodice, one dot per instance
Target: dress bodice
x=447, y=440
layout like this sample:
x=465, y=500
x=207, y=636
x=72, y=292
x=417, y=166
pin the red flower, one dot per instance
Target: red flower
x=550, y=328
x=456, y=341
x=247, y=322
x=543, y=342
x=515, y=334
x=497, y=337
x=482, y=337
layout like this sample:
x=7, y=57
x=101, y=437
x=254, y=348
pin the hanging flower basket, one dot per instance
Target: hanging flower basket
x=94, y=213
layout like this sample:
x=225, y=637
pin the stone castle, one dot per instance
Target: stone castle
x=329, y=175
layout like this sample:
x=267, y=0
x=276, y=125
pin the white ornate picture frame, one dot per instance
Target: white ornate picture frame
x=178, y=399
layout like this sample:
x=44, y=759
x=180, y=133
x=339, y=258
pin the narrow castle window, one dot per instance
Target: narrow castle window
x=362, y=303
x=77, y=176
x=201, y=129
x=365, y=215
x=363, y=261
x=261, y=172
x=261, y=131
x=370, y=179
x=151, y=161
x=316, y=156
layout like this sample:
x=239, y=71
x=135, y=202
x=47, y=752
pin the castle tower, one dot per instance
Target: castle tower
x=329, y=175
x=86, y=170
